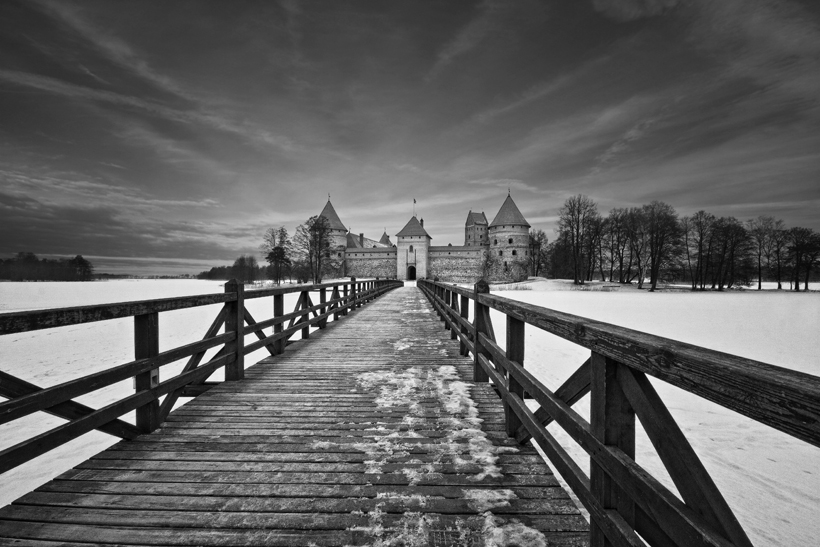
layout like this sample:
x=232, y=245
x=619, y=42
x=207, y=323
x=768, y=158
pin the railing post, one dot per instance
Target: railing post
x=515, y=352
x=480, y=325
x=334, y=296
x=453, y=309
x=279, y=311
x=146, y=344
x=353, y=293
x=234, y=322
x=612, y=421
x=306, y=317
x=346, y=302
x=322, y=310
x=465, y=314
x=447, y=295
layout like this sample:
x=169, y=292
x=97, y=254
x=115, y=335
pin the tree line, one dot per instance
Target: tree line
x=653, y=244
x=307, y=256
x=27, y=267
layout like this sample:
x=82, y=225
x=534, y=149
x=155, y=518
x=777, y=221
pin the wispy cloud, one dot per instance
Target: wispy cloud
x=111, y=46
x=470, y=36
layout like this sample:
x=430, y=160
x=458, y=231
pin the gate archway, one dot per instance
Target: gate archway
x=411, y=273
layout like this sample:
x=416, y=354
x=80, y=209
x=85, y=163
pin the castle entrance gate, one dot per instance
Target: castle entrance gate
x=411, y=273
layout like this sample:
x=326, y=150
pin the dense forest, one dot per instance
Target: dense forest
x=27, y=267
x=651, y=244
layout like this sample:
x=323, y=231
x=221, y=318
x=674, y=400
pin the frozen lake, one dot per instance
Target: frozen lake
x=771, y=480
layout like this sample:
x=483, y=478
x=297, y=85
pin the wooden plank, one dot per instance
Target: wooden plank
x=25, y=321
x=146, y=346
x=685, y=468
x=571, y=391
x=12, y=387
x=612, y=422
x=50, y=396
x=29, y=449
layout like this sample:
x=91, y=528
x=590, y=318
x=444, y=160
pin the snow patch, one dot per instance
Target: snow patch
x=497, y=534
x=484, y=500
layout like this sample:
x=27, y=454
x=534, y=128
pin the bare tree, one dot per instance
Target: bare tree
x=698, y=232
x=277, y=250
x=663, y=236
x=778, y=250
x=312, y=244
x=760, y=230
x=574, y=221
x=804, y=251
x=636, y=232
x=538, y=251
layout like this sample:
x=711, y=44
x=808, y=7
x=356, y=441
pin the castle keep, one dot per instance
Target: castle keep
x=498, y=251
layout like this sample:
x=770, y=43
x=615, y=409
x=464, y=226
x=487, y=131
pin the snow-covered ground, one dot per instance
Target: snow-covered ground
x=52, y=356
x=771, y=480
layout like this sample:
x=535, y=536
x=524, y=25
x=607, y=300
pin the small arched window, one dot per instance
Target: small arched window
x=514, y=253
x=509, y=241
x=500, y=253
x=411, y=248
x=495, y=242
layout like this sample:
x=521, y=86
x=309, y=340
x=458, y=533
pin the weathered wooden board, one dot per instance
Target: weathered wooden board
x=372, y=425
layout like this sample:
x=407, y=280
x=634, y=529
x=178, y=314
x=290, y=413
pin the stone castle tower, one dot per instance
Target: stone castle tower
x=475, y=229
x=413, y=249
x=509, y=236
x=497, y=251
x=338, y=232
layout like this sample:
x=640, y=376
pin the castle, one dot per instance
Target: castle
x=498, y=251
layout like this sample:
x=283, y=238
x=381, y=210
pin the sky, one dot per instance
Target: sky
x=166, y=137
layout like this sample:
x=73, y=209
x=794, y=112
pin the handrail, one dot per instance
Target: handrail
x=24, y=321
x=627, y=505
x=25, y=398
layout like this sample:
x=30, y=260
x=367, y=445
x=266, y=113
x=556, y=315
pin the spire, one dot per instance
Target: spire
x=509, y=215
x=330, y=214
x=413, y=228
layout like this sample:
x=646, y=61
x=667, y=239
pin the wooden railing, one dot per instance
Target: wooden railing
x=25, y=398
x=628, y=506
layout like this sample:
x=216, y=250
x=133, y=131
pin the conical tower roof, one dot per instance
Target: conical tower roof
x=413, y=228
x=330, y=214
x=509, y=215
x=385, y=239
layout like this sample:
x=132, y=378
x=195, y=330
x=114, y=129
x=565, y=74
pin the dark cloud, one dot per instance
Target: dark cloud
x=630, y=10
x=181, y=131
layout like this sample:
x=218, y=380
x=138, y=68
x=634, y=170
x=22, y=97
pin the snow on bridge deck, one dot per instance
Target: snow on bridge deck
x=370, y=433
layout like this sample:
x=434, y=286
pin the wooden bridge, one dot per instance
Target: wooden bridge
x=381, y=428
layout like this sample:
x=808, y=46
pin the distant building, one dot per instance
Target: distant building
x=498, y=251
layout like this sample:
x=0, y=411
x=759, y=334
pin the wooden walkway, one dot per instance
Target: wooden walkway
x=370, y=433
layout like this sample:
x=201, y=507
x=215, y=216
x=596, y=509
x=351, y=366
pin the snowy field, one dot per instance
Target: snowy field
x=771, y=480
x=52, y=356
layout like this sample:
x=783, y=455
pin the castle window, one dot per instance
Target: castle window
x=411, y=248
x=514, y=253
x=509, y=241
x=495, y=242
x=505, y=265
x=500, y=253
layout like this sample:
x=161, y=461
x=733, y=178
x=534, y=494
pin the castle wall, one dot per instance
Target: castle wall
x=379, y=262
x=456, y=264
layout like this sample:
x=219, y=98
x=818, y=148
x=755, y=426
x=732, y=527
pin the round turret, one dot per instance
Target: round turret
x=509, y=243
